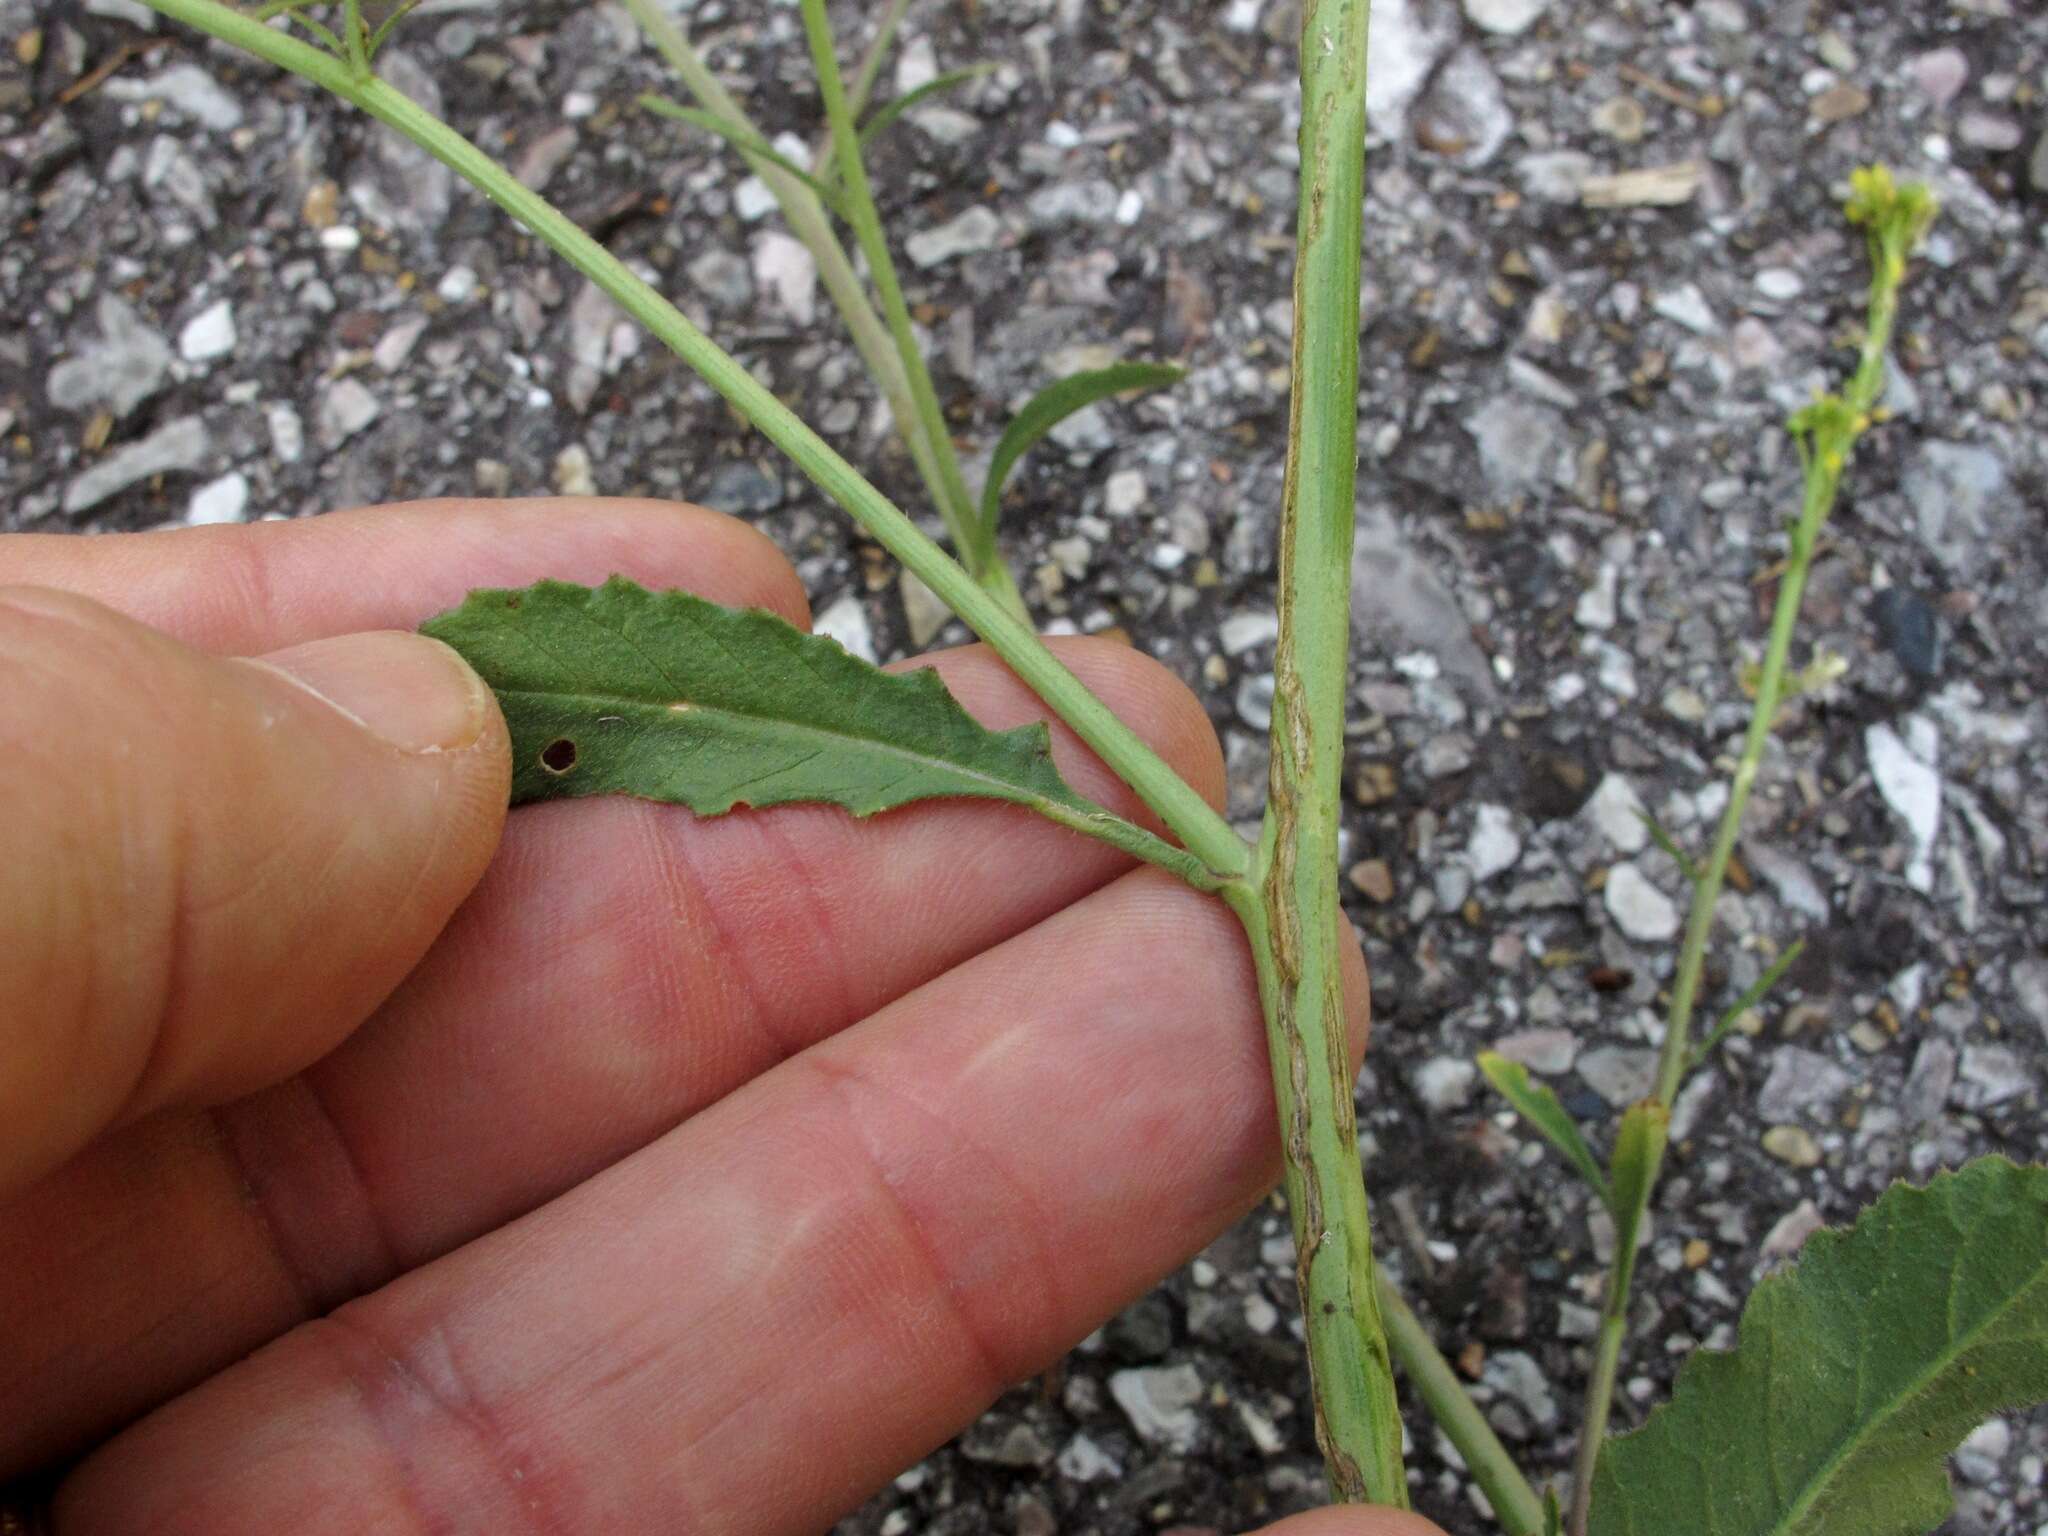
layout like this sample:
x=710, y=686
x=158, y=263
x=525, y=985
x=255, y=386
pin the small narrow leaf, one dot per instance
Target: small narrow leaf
x=1535, y=1103
x=910, y=101
x=1664, y=840
x=1638, y=1152
x=1053, y=405
x=1854, y=1376
x=1553, y=1516
x=751, y=146
x=1756, y=992
x=618, y=690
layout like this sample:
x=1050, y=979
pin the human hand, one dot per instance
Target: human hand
x=693, y=1175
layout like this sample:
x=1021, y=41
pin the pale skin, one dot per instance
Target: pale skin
x=373, y=1163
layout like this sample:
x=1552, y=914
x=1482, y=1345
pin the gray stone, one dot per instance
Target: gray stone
x=1620, y=1074
x=187, y=90
x=1406, y=39
x=1443, y=756
x=1547, y=1052
x=179, y=445
x=545, y=155
x=1955, y=490
x=1083, y=1461
x=973, y=230
x=1255, y=701
x=722, y=277
x=1516, y=1375
x=1800, y=1080
x=1789, y=878
x=1464, y=114
x=1617, y=811
x=1981, y=1456
x=225, y=500
x=1248, y=631
x=1789, y=1234
x=1928, y=1084
x=742, y=488
x=402, y=185
x=1495, y=845
x=1555, y=175
x=1142, y=1331
x=1518, y=442
x=1991, y=131
x=121, y=370
x=1940, y=74
x=1401, y=604
x=1642, y=911
x=1685, y=305
x=2030, y=990
x=1991, y=1074
x=1444, y=1083
x=785, y=269
x=1160, y=1402
x=1507, y=18
x=345, y=409
x=1903, y=770
x=994, y=1444
x=209, y=334
x=846, y=621
x=1072, y=202
x=923, y=612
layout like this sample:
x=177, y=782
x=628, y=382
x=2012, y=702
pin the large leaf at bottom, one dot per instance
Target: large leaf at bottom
x=1854, y=1376
x=618, y=690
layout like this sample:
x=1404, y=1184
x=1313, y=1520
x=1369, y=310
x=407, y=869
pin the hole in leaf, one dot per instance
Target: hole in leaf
x=558, y=756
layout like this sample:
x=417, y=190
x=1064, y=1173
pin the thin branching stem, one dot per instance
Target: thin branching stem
x=1186, y=814
x=1827, y=433
x=977, y=551
x=810, y=224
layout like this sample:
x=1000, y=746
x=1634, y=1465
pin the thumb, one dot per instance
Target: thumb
x=1353, y=1520
x=214, y=869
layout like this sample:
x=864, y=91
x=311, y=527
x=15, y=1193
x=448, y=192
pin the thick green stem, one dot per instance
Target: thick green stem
x=1293, y=920
x=977, y=551
x=810, y=223
x=1514, y=1502
x=1830, y=431
x=1204, y=833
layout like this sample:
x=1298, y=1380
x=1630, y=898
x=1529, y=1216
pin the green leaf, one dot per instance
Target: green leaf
x=1665, y=841
x=616, y=690
x=910, y=101
x=1754, y=994
x=1854, y=1376
x=1053, y=405
x=1535, y=1103
x=1553, y=1517
x=1638, y=1152
x=750, y=145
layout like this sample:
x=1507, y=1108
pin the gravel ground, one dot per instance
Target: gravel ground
x=1604, y=261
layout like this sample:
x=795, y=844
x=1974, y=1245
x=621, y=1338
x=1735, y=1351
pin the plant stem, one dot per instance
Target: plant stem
x=1834, y=433
x=811, y=225
x=1514, y=1502
x=978, y=552
x=1293, y=921
x=1201, y=830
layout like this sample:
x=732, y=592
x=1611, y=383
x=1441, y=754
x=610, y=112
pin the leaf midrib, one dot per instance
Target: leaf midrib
x=1824, y=1477
x=1011, y=791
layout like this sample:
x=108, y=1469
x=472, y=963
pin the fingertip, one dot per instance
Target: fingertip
x=1354, y=1520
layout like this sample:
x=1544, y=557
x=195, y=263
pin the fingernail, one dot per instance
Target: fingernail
x=415, y=693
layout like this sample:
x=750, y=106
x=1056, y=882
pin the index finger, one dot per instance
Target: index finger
x=241, y=591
